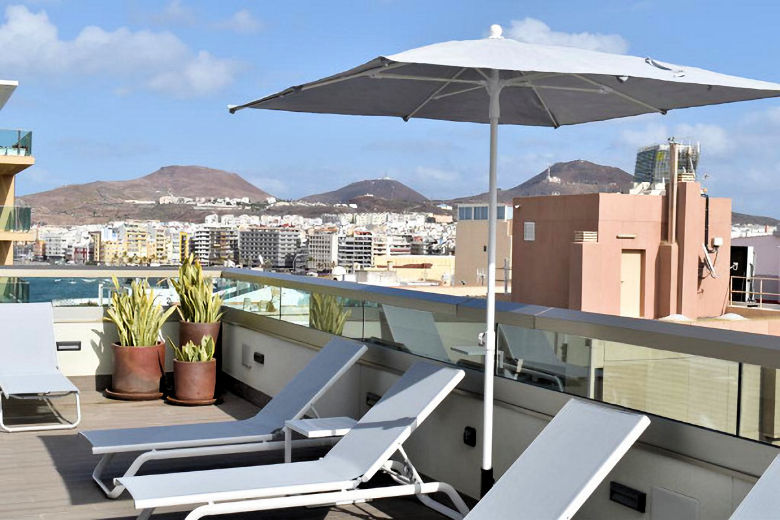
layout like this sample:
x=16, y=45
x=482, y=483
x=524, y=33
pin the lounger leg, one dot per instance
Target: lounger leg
x=146, y=514
x=66, y=426
x=443, y=487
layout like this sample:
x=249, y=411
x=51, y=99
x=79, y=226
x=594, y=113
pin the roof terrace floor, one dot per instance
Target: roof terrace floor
x=47, y=475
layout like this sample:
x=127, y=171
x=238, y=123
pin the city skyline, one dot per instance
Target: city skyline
x=138, y=118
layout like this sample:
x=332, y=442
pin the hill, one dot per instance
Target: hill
x=742, y=218
x=387, y=189
x=100, y=201
x=566, y=178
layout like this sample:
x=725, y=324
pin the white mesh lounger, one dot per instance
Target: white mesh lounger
x=564, y=464
x=763, y=501
x=28, y=366
x=263, y=432
x=336, y=478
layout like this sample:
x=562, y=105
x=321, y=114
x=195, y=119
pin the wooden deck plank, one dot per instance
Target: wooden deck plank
x=47, y=475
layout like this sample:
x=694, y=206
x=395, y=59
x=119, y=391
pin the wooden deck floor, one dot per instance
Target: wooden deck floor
x=47, y=475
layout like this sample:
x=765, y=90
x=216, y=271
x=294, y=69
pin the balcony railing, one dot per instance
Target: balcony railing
x=15, y=218
x=16, y=142
x=702, y=376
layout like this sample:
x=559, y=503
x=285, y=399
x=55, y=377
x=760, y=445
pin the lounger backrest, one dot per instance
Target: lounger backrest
x=27, y=345
x=763, y=501
x=312, y=381
x=530, y=345
x=416, y=330
x=564, y=464
x=384, y=428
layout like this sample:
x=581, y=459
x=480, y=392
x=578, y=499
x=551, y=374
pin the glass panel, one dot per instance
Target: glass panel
x=336, y=315
x=74, y=292
x=465, y=213
x=15, y=218
x=481, y=213
x=15, y=142
x=252, y=297
x=560, y=362
x=294, y=306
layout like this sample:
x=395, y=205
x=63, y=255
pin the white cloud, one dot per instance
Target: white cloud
x=532, y=30
x=157, y=61
x=241, y=22
x=425, y=173
x=175, y=12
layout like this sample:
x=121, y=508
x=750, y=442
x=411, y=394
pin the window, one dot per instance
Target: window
x=501, y=212
x=465, y=213
x=481, y=213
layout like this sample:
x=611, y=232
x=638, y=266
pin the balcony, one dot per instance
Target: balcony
x=710, y=393
x=15, y=151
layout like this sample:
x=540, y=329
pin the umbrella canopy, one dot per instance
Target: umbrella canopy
x=502, y=81
x=543, y=85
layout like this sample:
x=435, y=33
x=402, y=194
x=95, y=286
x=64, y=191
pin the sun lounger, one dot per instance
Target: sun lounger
x=28, y=361
x=763, y=501
x=415, y=330
x=337, y=478
x=564, y=464
x=263, y=432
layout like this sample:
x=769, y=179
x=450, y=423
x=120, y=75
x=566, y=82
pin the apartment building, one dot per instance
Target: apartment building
x=471, y=233
x=15, y=157
x=357, y=248
x=323, y=250
x=276, y=247
x=620, y=254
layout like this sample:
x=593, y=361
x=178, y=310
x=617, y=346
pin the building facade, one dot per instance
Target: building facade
x=274, y=247
x=471, y=232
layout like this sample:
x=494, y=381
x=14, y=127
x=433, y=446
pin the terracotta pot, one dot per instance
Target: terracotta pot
x=138, y=369
x=196, y=331
x=194, y=380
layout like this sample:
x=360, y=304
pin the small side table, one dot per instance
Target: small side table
x=315, y=428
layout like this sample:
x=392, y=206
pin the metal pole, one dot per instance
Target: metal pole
x=494, y=91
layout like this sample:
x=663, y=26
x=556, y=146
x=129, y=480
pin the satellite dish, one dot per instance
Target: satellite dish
x=708, y=262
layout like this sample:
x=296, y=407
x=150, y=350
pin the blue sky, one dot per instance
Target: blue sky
x=114, y=90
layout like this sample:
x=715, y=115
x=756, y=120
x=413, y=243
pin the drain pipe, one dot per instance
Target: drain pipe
x=671, y=228
x=707, y=223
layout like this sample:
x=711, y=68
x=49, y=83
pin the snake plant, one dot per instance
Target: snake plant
x=191, y=352
x=197, y=301
x=137, y=317
x=327, y=313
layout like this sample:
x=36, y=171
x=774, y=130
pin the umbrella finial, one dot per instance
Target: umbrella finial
x=495, y=31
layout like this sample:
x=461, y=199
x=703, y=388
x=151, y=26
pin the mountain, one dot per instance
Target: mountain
x=100, y=201
x=742, y=218
x=385, y=188
x=566, y=178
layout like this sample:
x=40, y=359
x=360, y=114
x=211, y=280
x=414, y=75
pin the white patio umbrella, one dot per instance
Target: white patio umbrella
x=504, y=81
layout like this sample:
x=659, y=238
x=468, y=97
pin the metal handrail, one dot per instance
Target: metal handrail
x=760, y=293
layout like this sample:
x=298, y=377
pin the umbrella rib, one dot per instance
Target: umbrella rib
x=433, y=95
x=455, y=93
x=426, y=78
x=552, y=117
x=621, y=94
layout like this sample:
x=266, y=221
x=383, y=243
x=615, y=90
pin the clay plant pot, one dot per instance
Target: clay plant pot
x=194, y=380
x=138, y=370
x=189, y=331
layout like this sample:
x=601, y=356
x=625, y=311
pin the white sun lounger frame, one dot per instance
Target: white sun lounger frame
x=29, y=367
x=564, y=464
x=366, y=449
x=336, y=358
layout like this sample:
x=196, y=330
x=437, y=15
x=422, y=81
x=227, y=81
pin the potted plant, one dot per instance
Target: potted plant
x=327, y=313
x=195, y=371
x=139, y=355
x=199, y=308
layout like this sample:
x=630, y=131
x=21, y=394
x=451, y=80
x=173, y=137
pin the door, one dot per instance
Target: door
x=631, y=283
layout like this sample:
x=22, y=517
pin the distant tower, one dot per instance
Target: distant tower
x=652, y=162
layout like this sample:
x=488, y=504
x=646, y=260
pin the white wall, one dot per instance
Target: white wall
x=438, y=450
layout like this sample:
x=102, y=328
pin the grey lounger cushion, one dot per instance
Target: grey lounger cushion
x=291, y=402
x=355, y=458
x=564, y=464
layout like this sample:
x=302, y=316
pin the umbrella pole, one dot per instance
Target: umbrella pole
x=487, y=480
